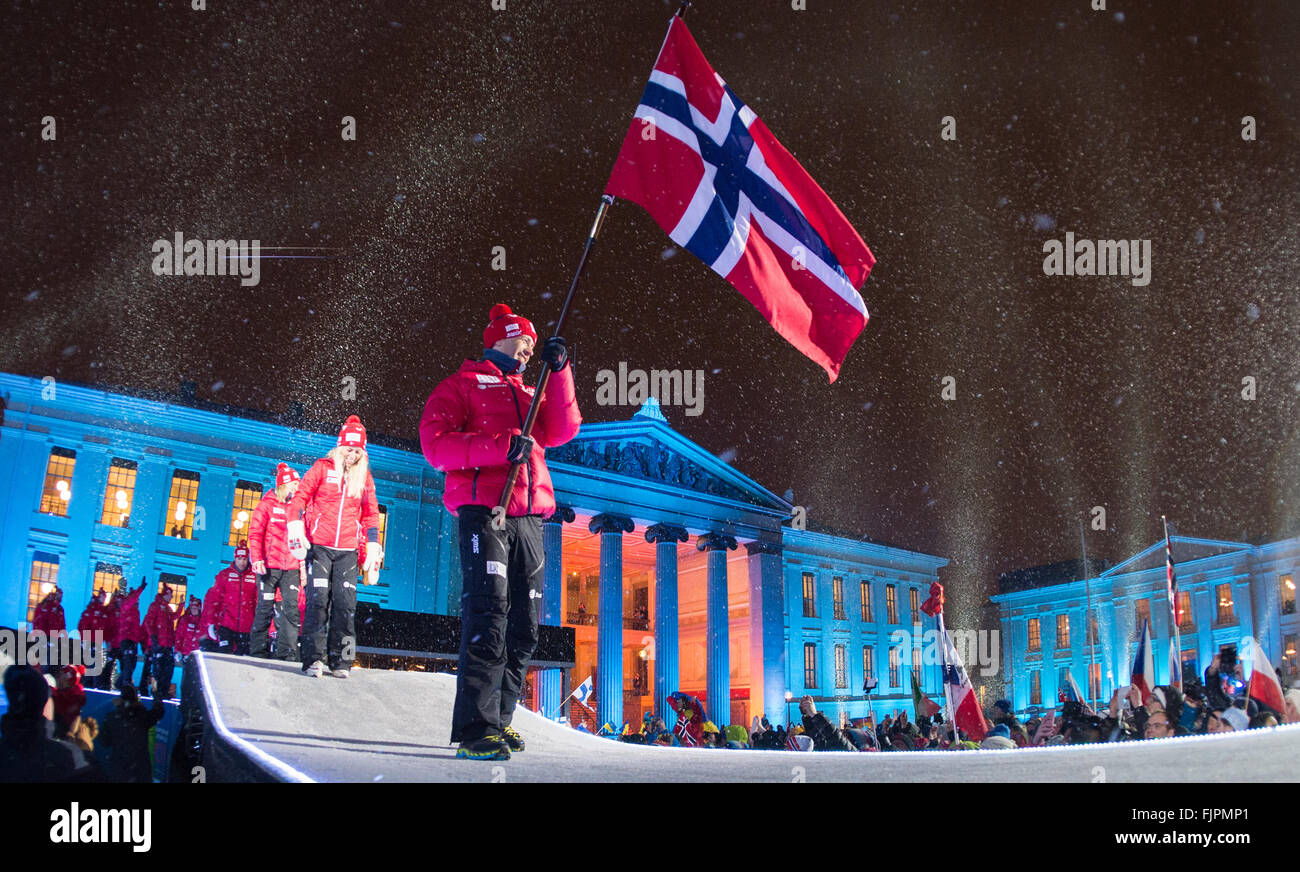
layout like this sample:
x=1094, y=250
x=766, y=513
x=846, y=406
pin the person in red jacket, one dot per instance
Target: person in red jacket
x=337, y=494
x=160, y=628
x=230, y=603
x=189, y=629
x=112, y=650
x=49, y=620
x=277, y=570
x=471, y=429
x=90, y=629
x=129, y=634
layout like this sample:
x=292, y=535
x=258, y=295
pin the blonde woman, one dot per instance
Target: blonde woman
x=337, y=496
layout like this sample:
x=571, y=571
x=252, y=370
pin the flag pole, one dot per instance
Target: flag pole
x=1092, y=642
x=1176, y=660
x=542, y=377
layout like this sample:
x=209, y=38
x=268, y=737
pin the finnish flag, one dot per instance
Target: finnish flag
x=584, y=691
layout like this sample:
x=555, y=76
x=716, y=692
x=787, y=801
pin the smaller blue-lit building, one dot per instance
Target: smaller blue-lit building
x=675, y=570
x=1057, y=618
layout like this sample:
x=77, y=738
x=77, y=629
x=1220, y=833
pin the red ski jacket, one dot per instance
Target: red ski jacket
x=128, y=618
x=95, y=617
x=331, y=515
x=189, y=629
x=267, y=533
x=231, y=600
x=466, y=428
x=48, y=617
x=112, y=632
x=160, y=620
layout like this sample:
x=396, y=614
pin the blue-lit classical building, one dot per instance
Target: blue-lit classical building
x=1228, y=590
x=675, y=571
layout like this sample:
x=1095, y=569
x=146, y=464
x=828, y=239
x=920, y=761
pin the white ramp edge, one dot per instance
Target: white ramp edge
x=380, y=725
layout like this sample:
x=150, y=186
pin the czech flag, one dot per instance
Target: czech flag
x=1144, y=670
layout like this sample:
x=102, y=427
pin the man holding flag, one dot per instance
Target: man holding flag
x=472, y=430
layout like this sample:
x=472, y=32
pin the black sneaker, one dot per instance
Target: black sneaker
x=493, y=746
x=513, y=739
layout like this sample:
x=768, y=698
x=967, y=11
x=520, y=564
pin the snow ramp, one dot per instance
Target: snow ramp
x=265, y=721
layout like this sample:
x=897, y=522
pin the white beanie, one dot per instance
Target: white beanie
x=1236, y=718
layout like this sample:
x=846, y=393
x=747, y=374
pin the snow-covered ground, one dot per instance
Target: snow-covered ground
x=396, y=726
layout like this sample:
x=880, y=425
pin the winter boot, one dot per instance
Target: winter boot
x=513, y=739
x=339, y=672
x=493, y=746
x=315, y=670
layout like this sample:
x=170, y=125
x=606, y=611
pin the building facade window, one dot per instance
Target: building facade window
x=1062, y=632
x=1094, y=681
x=1035, y=688
x=1287, y=583
x=108, y=576
x=868, y=663
x=247, y=495
x=1290, y=659
x=1187, y=621
x=1095, y=638
x=891, y=603
x=837, y=598
x=841, y=666
x=894, y=661
x=180, y=504
x=809, y=666
x=1141, y=615
x=809, y=596
x=865, y=587
x=57, y=492
x=119, y=493
x=44, y=578
x=1035, y=637
x=1223, y=601
x=914, y=600
x=916, y=659
x=178, y=584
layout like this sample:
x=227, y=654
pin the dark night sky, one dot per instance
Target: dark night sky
x=479, y=128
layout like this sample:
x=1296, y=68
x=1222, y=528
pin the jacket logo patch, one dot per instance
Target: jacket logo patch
x=496, y=568
x=487, y=379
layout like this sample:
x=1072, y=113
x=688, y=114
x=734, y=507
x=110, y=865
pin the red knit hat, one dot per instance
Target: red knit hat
x=241, y=550
x=353, y=435
x=284, y=473
x=504, y=324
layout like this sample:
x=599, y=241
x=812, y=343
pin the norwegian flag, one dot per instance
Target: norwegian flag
x=715, y=179
x=1171, y=581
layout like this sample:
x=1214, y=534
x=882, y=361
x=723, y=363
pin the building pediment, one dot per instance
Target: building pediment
x=646, y=448
x=1185, y=550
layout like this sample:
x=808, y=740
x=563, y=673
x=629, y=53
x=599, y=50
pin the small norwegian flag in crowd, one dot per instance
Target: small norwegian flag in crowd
x=715, y=179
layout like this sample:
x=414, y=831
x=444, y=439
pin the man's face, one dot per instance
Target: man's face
x=520, y=348
x=1215, y=724
x=351, y=455
x=241, y=563
x=1158, y=726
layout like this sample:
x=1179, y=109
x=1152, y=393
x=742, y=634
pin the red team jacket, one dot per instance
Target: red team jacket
x=466, y=428
x=332, y=517
x=112, y=631
x=267, y=533
x=48, y=617
x=128, y=618
x=189, y=629
x=231, y=600
x=95, y=617
x=160, y=620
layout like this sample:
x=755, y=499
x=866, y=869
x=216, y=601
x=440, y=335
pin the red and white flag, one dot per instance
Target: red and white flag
x=1144, y=667
x=715, y=179
x=1265, y=688
x=967, y=714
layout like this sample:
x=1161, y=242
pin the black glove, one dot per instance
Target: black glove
x=520, y=449
x=555, y=353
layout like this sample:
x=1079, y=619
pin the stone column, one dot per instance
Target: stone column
x=665, y=538
x=767, y=630
x=718, y=641
x=549, y=680
x=609, y=621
